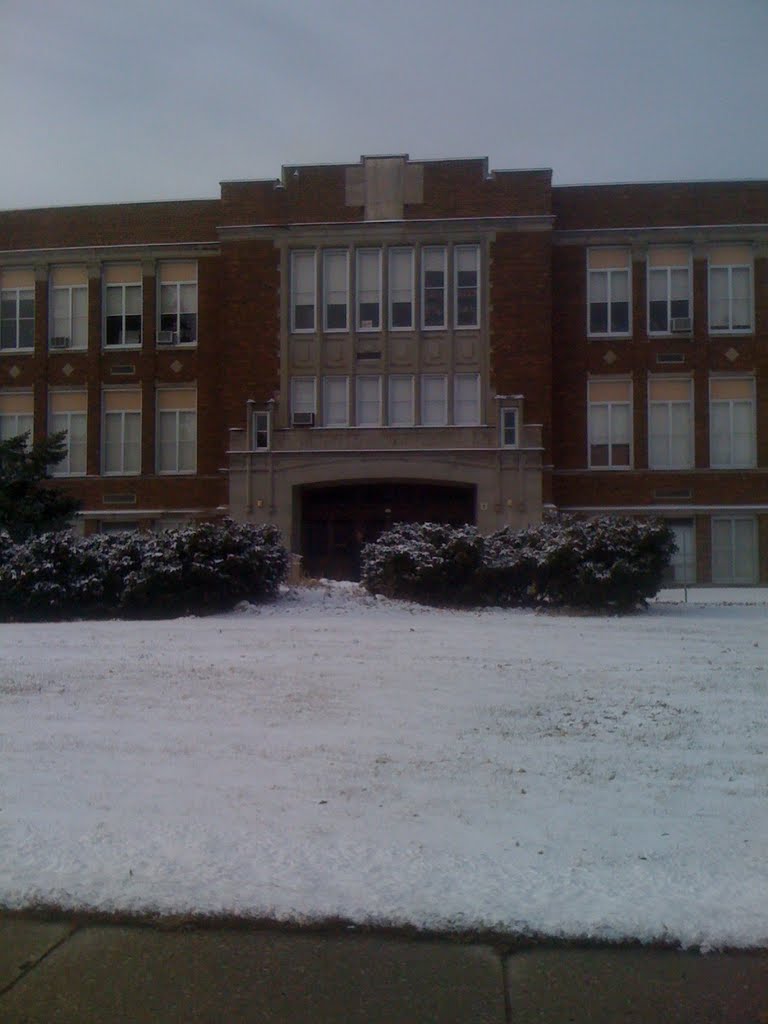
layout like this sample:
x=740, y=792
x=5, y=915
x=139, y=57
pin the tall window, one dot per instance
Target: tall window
x=509, y=428
x=467, y=285
x=177, y=315
x=608, y=291
x=17, y=309
x=730, y=288
x=369, y=289
x=433, y=290
x=303, y=291
x=401, y=289
x=434, y=400
x=610, y=424
x=669, y=290
x=303, y=401
x=368, y=401
x=335, y=290
x=466, y=399
x=262, y=430
x=336, y=401
x=670, y=426
x=121, y=434
x=401, y=404
x=68, y=411
x=177, y=430
x=69, y=308
x=16, y=415
x=682, y=566
x=734, y=549
x=731, y=422
x=123, y=300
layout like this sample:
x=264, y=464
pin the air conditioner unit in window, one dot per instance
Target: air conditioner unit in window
x=60, y=342
x=303, y=419
x=167, y=338
x=680, y=325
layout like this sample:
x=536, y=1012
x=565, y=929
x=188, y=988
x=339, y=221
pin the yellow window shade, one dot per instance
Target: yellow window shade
x=668, y=257
x=731, y=387
x=608, y=259
x=667, y=389
x=18, y=279
x=730, y=255
x=14, y=402
x=68, y=401
x=609, y=390
x=177, y=398
x=70, y=276
x=122, y=401
x=122, y=273
x=171, y=273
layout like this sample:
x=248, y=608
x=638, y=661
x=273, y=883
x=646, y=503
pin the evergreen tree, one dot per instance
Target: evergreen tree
x=28, y=505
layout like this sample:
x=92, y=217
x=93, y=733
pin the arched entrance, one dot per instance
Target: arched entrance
x=337, y=520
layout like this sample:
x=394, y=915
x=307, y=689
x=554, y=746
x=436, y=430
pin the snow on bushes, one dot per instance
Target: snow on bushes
x=607, y=562
x=201, y=568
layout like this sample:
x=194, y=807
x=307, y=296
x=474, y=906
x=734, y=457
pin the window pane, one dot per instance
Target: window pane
x=744, y=550
x=335, y=290
x=466, y=399
x=598, y=424
x=133, y=299
x=303, y=290
x=169, y=294
x=679, y=285
x=401, y=287
x=434, y=392
x=657, y=285
x=718, y=297
x=303, y=392
x=741, y=304
x=433, y=276
x=620, y=424
x=188, y=298
x=368, y=391
x=335, y=394
x=401, y=401
x=467, y=262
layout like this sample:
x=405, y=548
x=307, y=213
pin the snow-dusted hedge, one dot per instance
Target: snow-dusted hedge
x=204, y=567
x=607, y=562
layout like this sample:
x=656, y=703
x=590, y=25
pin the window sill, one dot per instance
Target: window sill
x=121, y=348
x=747, y=332
x=177, y=472
x=17, y=351
x=610, y=469
x=609, y=337
x=66, y=351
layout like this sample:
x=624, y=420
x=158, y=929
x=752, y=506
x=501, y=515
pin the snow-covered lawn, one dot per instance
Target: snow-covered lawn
x=337, y=755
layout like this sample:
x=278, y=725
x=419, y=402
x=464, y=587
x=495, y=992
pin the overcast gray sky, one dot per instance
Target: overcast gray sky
x=108, y=101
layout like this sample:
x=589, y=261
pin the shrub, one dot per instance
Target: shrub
x=205, y=567
x=607, y=562
x=426, y=562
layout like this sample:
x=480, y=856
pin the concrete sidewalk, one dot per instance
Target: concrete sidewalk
x=65, y=973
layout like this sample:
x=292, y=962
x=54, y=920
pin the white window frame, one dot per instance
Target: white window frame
x=340, y=383
x=513, y=413
x=411, y=382
x=732, y=577
x=395, y=296
x=609, y=404
x=458, y=249
x=732, y=462
x=669, y=403
x=261, y=428
x=376, y=379
x=64, y=468
x=298, y=406
x=683, y=562
x=668, y=269
x=164, y=415
x=427, y=378
x=360, y=256
x=458, y=380
x=297, y=255
x=424, y=251
x=123, y=344
x=122, y=415
x=177, y=285
x=12, y=424
x=729, y=269
x=69, y=290
x=17, y=299
x=609, y=272
x=328, y=255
